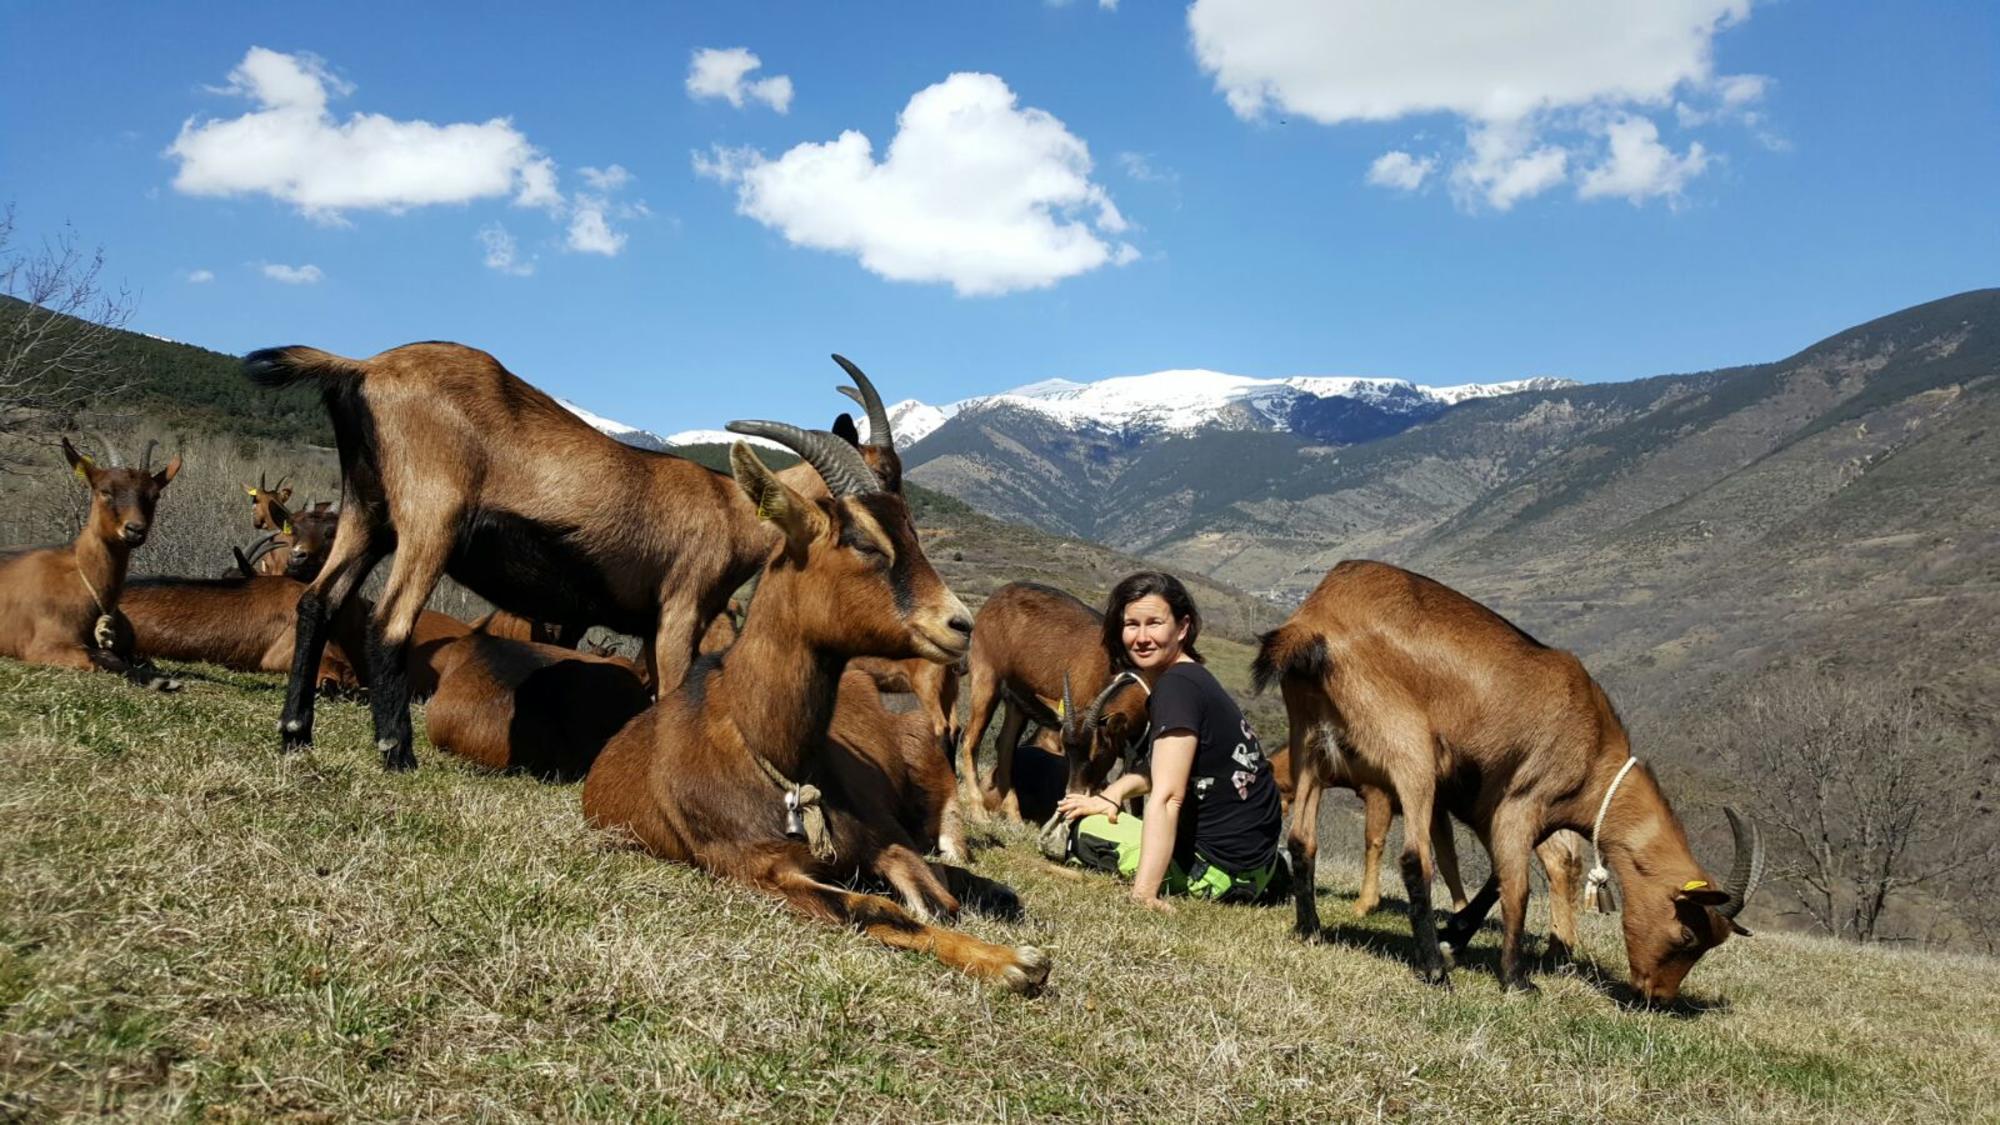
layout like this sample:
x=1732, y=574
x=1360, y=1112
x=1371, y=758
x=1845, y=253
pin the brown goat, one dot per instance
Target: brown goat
x=1425, y=692
x=262, y=500
x=58, y=605
x=730, y=773
x=935, y=686
x=556, y=634
x=300, y=542
x=889, y=766
x=1039, y=650
x=533, y=708
x=244, y=623
x=434, y=466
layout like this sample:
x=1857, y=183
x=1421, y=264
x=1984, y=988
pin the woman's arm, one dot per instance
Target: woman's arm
x=1173, y=760
x=1106, y=802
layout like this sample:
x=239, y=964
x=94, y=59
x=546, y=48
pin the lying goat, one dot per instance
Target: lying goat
x=1420, y=690
x=533, y=708
x=730, y=771
x=58, y=605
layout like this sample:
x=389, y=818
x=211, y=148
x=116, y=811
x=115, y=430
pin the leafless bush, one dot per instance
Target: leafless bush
x=1880, y=798
x=55, y=349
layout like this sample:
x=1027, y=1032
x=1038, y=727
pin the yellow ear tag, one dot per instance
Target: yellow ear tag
x=80, y=467
x=765, y=509
x=287, y=530
x=1059, y=710
x=1695, y=885
x=250, y=492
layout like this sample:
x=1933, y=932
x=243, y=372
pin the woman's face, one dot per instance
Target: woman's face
x=1152, y=636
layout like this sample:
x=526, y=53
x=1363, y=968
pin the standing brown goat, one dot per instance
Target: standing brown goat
x=730, y=773
x=1040, y=650
x=457, y=466
x=1421, y=690
x=58, y=604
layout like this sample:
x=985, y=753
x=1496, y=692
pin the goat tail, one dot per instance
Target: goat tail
x=1291, y=651
x=281, y=367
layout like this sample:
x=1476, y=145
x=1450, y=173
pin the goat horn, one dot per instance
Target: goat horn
x=1748, y=870
x=1068, y=713
x=259, y=549
x=864, y=393
x=110, y=450
x=1097, y=705
x=261, y=486
x=146, y=462
x=836, y=462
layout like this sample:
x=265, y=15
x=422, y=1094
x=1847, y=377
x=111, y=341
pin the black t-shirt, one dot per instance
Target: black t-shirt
x=1231, y=816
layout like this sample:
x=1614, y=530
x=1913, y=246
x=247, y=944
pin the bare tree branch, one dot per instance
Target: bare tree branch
x=55, y=347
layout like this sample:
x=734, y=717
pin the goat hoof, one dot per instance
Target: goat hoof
x=1311, y=936
x=1029, y=972
x=1436, y=975
x=1520, y=985
x=396, y=757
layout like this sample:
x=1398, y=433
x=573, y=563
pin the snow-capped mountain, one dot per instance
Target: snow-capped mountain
x=630, y=435
x=1183, y=402
x=1161, y=404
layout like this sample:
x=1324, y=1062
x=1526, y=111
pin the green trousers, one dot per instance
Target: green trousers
x=1114, y=848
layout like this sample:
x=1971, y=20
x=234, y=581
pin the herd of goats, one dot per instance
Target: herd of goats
x=754, y=741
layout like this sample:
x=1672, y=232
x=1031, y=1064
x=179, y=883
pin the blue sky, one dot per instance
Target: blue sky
x=1563, y=221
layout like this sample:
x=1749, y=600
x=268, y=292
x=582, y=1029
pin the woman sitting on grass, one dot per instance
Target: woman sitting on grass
x=1212, y=815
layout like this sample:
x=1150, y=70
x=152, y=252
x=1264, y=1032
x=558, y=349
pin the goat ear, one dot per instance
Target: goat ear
x=1701, y=892
x=78, y=463
x=845, y=430
x=165, y=476
x=250, y=492
x=775, y=500
x=285, y=495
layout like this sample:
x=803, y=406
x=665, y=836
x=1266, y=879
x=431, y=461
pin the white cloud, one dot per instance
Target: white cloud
x=973, y=191
x=200, y=277
x=1639, y=167
x=1504, y=165
x=291, y=148
x=1141, y=167
x=1400, y=170
x=293, y=275
x=721, y=73
x=590, y=233
x=590, y=230
x=1536, y=84
x=503, y=254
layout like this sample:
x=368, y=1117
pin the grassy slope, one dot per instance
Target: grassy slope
x=192, y=925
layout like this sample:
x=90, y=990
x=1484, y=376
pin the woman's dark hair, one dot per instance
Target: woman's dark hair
x=1144, y=584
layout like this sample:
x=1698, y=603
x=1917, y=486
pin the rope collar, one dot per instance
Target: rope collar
x=105, y=631
x=1593, y=884
x=805, y=818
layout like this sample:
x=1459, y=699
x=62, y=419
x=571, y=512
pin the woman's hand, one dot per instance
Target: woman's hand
x=1076, y=806
x=1154, y=903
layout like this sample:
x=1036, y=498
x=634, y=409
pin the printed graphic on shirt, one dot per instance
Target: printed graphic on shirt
x=1242, y=780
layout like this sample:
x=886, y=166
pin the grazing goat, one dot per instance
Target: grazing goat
x=459, y=467
x=1425, y=692
x=1040, y=650
x=533, y=708
x=730, y=771
x=58, y=605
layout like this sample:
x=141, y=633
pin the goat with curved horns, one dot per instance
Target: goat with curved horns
x=58, y=605
x=729, y=772
x=1424, y=691
x=569, y=527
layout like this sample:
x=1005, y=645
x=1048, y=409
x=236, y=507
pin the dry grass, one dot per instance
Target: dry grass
x=192, y=925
